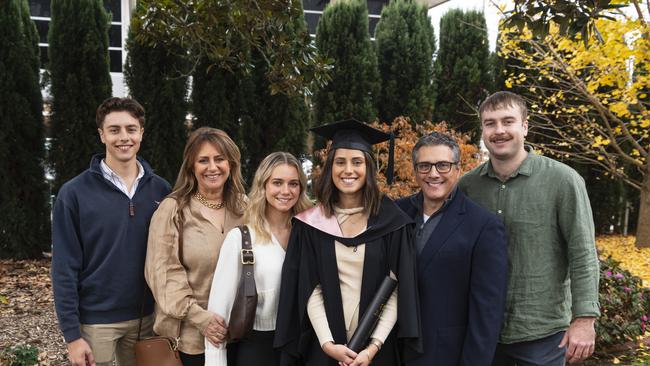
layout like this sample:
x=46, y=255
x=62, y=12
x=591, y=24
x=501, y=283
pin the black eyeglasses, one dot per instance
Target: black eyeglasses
x=441, y=166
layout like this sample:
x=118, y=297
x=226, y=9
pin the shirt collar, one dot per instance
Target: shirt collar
x=418, y=201
x=525, y=168
x=107, y=171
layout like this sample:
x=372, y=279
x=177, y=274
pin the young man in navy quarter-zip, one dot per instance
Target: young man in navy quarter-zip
x=99, y=237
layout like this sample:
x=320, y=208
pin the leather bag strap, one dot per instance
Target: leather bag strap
x=248, y=261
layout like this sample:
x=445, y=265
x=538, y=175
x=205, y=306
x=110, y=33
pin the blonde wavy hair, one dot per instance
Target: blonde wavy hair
x=255, y=212
x=233, y=191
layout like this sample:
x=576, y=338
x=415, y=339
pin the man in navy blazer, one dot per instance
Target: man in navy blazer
x=462, y=261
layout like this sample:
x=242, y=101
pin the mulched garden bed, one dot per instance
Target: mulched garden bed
x=27, y=310
x=27, y=314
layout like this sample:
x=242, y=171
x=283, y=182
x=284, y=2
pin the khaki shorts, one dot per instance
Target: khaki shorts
x=112, y=344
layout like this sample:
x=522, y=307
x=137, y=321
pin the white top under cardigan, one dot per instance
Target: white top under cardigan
x=269, y=257
x=349, y=261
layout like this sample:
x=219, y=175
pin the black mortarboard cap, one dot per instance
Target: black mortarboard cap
x=352, y=134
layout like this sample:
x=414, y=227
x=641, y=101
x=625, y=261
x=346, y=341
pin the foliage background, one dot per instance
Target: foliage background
x=589, y=105
x=342, y=37
x=155, y=78
x=405, y=43
x=463, y=71
x=406, y=137
x=80, y=81
x=24, y=219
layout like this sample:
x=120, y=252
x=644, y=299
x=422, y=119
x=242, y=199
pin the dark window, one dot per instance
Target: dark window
x=115, y=60
x=372, y=24
x=44, y=56
x=42, y=26
x=115, y=8
x=312, y=22
x=115, y=36
x=39, y=8
x=314, y=4
x=375, y=6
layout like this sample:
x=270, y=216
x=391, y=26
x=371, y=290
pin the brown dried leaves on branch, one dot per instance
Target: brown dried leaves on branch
x=407, y=136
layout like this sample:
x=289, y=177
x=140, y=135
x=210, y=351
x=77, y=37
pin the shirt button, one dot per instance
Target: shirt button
x=503, y=186
x=499, y=212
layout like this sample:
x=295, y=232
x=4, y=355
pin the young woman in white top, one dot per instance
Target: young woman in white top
x=278, y=193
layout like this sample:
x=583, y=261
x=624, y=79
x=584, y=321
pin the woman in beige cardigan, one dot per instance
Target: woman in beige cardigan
x=185, y=238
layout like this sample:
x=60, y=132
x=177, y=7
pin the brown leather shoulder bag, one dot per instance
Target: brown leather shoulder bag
x=242, y=315
x=160, y=350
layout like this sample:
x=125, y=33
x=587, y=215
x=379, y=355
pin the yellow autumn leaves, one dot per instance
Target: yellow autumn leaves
x=622, y=249
x=589, y=103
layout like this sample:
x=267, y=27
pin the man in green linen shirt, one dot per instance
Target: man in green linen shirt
x=552, y=296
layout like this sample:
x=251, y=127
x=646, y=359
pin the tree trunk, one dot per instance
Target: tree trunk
x=643, y=225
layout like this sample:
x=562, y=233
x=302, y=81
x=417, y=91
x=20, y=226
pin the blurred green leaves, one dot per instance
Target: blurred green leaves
x=224, y=30
x=573, y=17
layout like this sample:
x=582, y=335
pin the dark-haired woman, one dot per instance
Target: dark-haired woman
x=339, y=253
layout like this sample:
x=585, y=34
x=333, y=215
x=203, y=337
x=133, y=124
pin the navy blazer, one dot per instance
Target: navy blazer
x=462, y=276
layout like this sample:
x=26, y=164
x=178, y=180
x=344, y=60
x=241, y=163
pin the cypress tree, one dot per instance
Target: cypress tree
x=24, y=219
x=80, y=82
x=155, y=77
x=463, y=70
x=243, y=106
x=272, y=122
x=32, y=38
x=405, y=44
x=342, y=36
x=219, y=97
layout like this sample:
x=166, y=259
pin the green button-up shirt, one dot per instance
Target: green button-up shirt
x=554, y=271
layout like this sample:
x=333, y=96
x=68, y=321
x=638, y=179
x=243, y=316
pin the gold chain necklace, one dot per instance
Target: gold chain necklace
x=204, y=201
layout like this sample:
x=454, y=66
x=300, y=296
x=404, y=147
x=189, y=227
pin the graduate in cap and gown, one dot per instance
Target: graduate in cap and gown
x=339, y=253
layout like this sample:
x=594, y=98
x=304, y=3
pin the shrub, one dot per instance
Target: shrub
x=625, y=305
x=19, y=356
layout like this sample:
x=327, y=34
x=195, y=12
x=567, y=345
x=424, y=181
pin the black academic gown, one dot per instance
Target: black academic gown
x=311, y=260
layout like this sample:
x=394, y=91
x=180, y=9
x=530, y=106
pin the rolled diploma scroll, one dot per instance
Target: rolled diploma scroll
x=370, y=318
